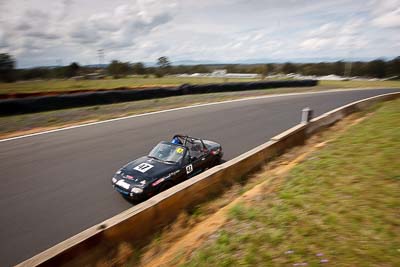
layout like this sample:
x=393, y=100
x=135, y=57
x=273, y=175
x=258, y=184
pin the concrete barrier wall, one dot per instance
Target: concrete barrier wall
x=329, y=118
x=53, y=102
x=139, y=223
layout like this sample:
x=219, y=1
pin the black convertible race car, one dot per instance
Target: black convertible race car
x=168, y=164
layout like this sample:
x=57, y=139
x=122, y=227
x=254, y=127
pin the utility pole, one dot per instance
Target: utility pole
x=100, y=54
x=347, y=69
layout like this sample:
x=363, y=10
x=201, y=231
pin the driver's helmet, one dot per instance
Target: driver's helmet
x=176, y=141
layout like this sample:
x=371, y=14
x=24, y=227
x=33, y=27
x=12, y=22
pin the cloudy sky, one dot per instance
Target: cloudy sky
x=50, y=32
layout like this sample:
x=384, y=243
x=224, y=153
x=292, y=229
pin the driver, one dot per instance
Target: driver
x=176, y=141
x=164, y=152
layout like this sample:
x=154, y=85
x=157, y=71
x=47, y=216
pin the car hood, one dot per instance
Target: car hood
x=146, y=169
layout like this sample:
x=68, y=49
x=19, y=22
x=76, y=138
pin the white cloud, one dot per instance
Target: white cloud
x=336, y=36
x=40, y=32
x=120, y=27
x=323, y=30
x=388, y=20
x=316, y=43
x=115, y=28
x=379, y=7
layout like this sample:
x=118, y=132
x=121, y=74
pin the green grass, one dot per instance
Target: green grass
x=340, y=205
x=360, y=84
x=71, y=85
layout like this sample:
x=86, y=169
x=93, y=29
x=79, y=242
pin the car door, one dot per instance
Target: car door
x=199, y=158
x=188, y=165
x=206, y=157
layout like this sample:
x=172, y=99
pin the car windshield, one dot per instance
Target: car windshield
x=167, y=152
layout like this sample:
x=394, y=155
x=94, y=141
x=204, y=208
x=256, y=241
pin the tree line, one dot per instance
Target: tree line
x=375, y=69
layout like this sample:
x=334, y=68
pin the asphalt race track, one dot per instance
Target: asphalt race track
x=57, y=184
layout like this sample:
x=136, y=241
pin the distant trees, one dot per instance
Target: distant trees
x=271, y=68
x=61, y=72
x=7, y=68
x=35, y=73
x=374, y=69
x=163, y=62
x=338, y=68
x=232, y=68
x=199, y=69
x=164, y=65
x=118, y=69
x=138, y=68
x=289, y=68
x=189, y=69
x=263, y=71
x=378, y=68
x=72, y=70
x=393, y=67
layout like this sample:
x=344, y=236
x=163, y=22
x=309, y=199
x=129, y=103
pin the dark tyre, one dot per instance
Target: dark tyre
x=166, y=185
x=217, y=161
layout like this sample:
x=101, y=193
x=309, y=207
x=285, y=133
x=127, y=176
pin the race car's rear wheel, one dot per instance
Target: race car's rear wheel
x=217, y=161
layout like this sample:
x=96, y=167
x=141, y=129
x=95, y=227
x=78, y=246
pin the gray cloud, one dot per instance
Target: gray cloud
x=42, y=31
x=65, y=8
x=23, y=27
x=36, y=14
x=3, y=41
x=117, y=29
x=43, y=35
x=84, y=34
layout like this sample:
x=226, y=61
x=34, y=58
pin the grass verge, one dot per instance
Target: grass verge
x=72, y=85
x=340, y=206
x=133, y=82
x=359, y=84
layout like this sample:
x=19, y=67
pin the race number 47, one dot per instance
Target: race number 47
x=189, y=168
x=144, y=167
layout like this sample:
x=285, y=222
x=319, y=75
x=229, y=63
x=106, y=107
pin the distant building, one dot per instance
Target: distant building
x=222, y=73
x=89, y=76
x=219, y=73
x=95, y=76
x=242, y=75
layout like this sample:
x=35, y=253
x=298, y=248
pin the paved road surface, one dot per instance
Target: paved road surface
x=57, y=184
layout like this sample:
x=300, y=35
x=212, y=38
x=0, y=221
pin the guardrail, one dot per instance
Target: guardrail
x=53, y=102
x=140, y=222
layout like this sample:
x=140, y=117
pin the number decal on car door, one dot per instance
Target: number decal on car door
x=189, y=168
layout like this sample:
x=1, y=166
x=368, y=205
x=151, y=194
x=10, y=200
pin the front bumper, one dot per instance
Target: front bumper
x=128, y=194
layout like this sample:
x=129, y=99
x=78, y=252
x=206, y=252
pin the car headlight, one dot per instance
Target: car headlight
x=114, y=180
x=137, y=190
